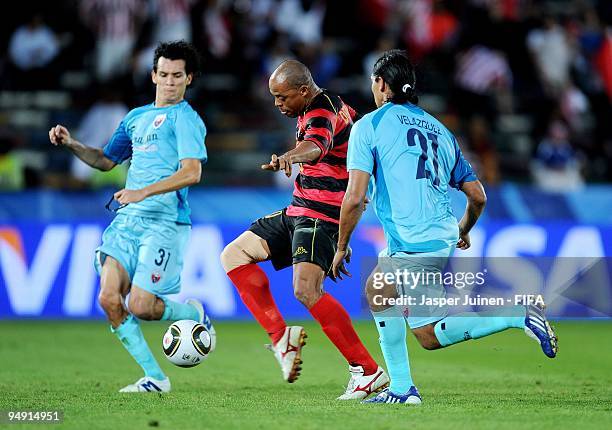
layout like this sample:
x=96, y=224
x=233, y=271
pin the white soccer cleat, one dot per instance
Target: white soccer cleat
x=205, y=321
x=288, y=352
x=148, y=385
x=361, y=386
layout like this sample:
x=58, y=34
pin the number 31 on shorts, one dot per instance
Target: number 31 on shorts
x=163, y=258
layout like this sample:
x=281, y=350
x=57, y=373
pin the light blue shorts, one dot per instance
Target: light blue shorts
x=150, y=250
x=428, y=264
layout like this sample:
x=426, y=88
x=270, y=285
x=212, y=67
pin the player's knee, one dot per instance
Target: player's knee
x=377, y=295
x=142, y=309
x=430, y=344
x=234, y=256
x=110, y=301
x=426, y=336
x=248, y=248
x=142, y=313
x=370, y=291
x=229, y=257
x=307, y=293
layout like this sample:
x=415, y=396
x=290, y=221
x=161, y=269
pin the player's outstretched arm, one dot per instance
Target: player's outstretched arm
x=305, y=152
x=94, y=157
x=189, y=174
x=476, y=201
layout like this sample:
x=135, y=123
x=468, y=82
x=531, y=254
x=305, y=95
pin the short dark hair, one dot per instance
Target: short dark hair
x=179, y=50
x=397, y=71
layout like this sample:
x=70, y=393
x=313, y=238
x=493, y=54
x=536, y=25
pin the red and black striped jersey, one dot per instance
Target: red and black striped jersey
x=321, y=184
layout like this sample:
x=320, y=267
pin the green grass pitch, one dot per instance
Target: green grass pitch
x=501, y=382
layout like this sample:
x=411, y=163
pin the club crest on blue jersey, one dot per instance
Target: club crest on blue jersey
x=159, y=120
x=155, y=277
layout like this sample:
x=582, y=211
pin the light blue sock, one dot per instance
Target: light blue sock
x=391, y=328
x=130, y=335
x=175, y=311
x=473, y=325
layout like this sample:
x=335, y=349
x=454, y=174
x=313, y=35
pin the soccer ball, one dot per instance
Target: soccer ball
x=186, y=343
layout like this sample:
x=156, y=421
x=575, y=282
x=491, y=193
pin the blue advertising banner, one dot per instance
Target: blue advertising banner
x=46, y=269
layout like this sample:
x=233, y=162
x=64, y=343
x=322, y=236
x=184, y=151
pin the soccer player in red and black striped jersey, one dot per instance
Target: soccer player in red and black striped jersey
x=304, y=234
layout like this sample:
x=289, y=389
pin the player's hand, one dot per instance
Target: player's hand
x=338, y=267
x=278, y=163
x=129, y=196
x=59, y=135
x=464, y=240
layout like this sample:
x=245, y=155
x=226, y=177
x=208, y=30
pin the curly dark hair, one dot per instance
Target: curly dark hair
x=179, y=50
x=395, y=68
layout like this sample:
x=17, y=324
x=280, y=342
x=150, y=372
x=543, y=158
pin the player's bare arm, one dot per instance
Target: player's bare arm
x=476, y=201
x=305, y=152
x=351, y=210
x=189, y=174
x=94, y=157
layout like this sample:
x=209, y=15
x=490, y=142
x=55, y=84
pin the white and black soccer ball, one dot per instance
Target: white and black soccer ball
x=186, y=343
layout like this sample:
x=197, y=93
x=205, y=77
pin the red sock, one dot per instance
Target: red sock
x=254, y=289
x=337, y=325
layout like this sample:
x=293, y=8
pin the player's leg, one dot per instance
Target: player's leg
x=431, y=324
x=313, y=249
x=147, y=306
x=131, y=336
x=366, y=376
x=160, y=263
x=240, y=258
x=157, y=273
x=154, y=307
x=469, y=325
x=455, y=328
x=115, y=262
x=475, y=325
x=114, y=285
x=151, y=307
x=267, y=238
x=391, y=327
x=331, y=315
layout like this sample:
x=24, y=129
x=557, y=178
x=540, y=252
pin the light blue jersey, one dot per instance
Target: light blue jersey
x=413, y=159
x=157, y=139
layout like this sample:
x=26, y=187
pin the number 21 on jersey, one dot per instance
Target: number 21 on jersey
x=422, y=171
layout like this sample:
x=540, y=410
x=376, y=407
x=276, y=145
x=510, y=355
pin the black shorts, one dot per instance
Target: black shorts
x=297, y=239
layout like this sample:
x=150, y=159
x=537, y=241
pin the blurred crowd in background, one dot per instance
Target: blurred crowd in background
x=525, y=85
